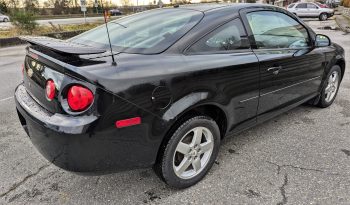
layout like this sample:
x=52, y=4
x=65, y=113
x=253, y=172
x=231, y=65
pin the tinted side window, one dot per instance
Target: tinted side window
x=291, y=6
x=282, y=31
x=301, y=6
x=230, y=36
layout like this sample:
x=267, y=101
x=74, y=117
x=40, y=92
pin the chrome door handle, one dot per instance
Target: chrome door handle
x=275, y=70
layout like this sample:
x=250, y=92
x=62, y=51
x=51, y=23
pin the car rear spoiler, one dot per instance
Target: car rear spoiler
x=62, y=46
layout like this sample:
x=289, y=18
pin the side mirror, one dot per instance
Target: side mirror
x=322, y=41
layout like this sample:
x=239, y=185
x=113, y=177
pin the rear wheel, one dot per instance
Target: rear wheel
x=190, y=152
x=6, y=20
x=330, y=90
x=323, y=17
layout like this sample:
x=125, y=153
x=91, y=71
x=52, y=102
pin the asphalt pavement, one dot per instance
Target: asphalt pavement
x=300, y=157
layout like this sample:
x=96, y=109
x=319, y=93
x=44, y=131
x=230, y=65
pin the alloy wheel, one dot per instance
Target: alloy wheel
x=332, y=86
x=193, y=152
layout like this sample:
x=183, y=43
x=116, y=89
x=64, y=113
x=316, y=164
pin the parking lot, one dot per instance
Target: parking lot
x=300, y=157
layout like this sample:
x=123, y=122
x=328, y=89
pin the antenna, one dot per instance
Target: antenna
x=109, y=39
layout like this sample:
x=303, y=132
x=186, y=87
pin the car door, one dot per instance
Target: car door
x=312, y=10
x=290, y=69
x=301, y=9
x=227, y=63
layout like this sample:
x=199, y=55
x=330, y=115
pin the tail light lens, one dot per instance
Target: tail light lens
x=79, y=98
x=50, y=90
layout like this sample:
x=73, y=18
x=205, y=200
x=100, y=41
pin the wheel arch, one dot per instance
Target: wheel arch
x=212, y=110
x=341, y=64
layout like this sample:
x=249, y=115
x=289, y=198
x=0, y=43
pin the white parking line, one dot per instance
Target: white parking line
x=6, y=99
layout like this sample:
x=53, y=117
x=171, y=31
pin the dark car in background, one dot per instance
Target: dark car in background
x=183, y=79
x=115, y=12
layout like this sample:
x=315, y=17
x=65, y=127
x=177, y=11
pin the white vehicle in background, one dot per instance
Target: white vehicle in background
x=4, y=18
x=333, y=3
x=310, y=10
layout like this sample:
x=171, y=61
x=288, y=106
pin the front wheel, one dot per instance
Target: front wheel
x=330, y=90
x=190, y=152
x=323, y=17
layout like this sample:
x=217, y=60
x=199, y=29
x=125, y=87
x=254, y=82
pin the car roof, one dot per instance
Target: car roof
x=219, y=6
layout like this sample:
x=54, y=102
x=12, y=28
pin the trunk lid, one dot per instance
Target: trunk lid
x=52, y=59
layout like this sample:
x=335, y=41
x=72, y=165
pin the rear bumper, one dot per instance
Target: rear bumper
x=73, y=144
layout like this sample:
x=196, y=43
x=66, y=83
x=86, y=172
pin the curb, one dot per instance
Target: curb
x=6, y=42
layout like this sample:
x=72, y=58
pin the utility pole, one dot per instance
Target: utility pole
x=83, y=8
x=96, y=6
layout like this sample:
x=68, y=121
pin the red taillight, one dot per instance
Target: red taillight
x=79, y=98
x=50, y=90
x=128, y=122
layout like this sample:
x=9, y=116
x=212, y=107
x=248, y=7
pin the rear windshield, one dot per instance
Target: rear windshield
x=291, y=6
x=148, y=32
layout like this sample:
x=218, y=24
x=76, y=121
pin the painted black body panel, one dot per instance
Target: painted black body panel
x=161, y=89
x=298, y=78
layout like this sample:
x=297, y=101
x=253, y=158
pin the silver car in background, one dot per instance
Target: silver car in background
x=4, y=18
x=310, y=10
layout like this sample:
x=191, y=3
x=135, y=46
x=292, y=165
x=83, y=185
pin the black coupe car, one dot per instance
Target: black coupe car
x=183, y=79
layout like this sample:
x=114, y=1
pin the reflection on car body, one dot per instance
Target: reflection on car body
x=311, y=10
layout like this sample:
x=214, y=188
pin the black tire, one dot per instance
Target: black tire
x=323, y=16
x=323, y=103
x=6, y=20
x=165, y=165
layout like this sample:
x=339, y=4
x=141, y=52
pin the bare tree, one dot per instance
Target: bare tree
x=49, y=4
x=3, y=6
x=31, y=5
x=60, y=6
x=12, y=3
x=71, y=3
x=125, y=2
x=90, y=3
